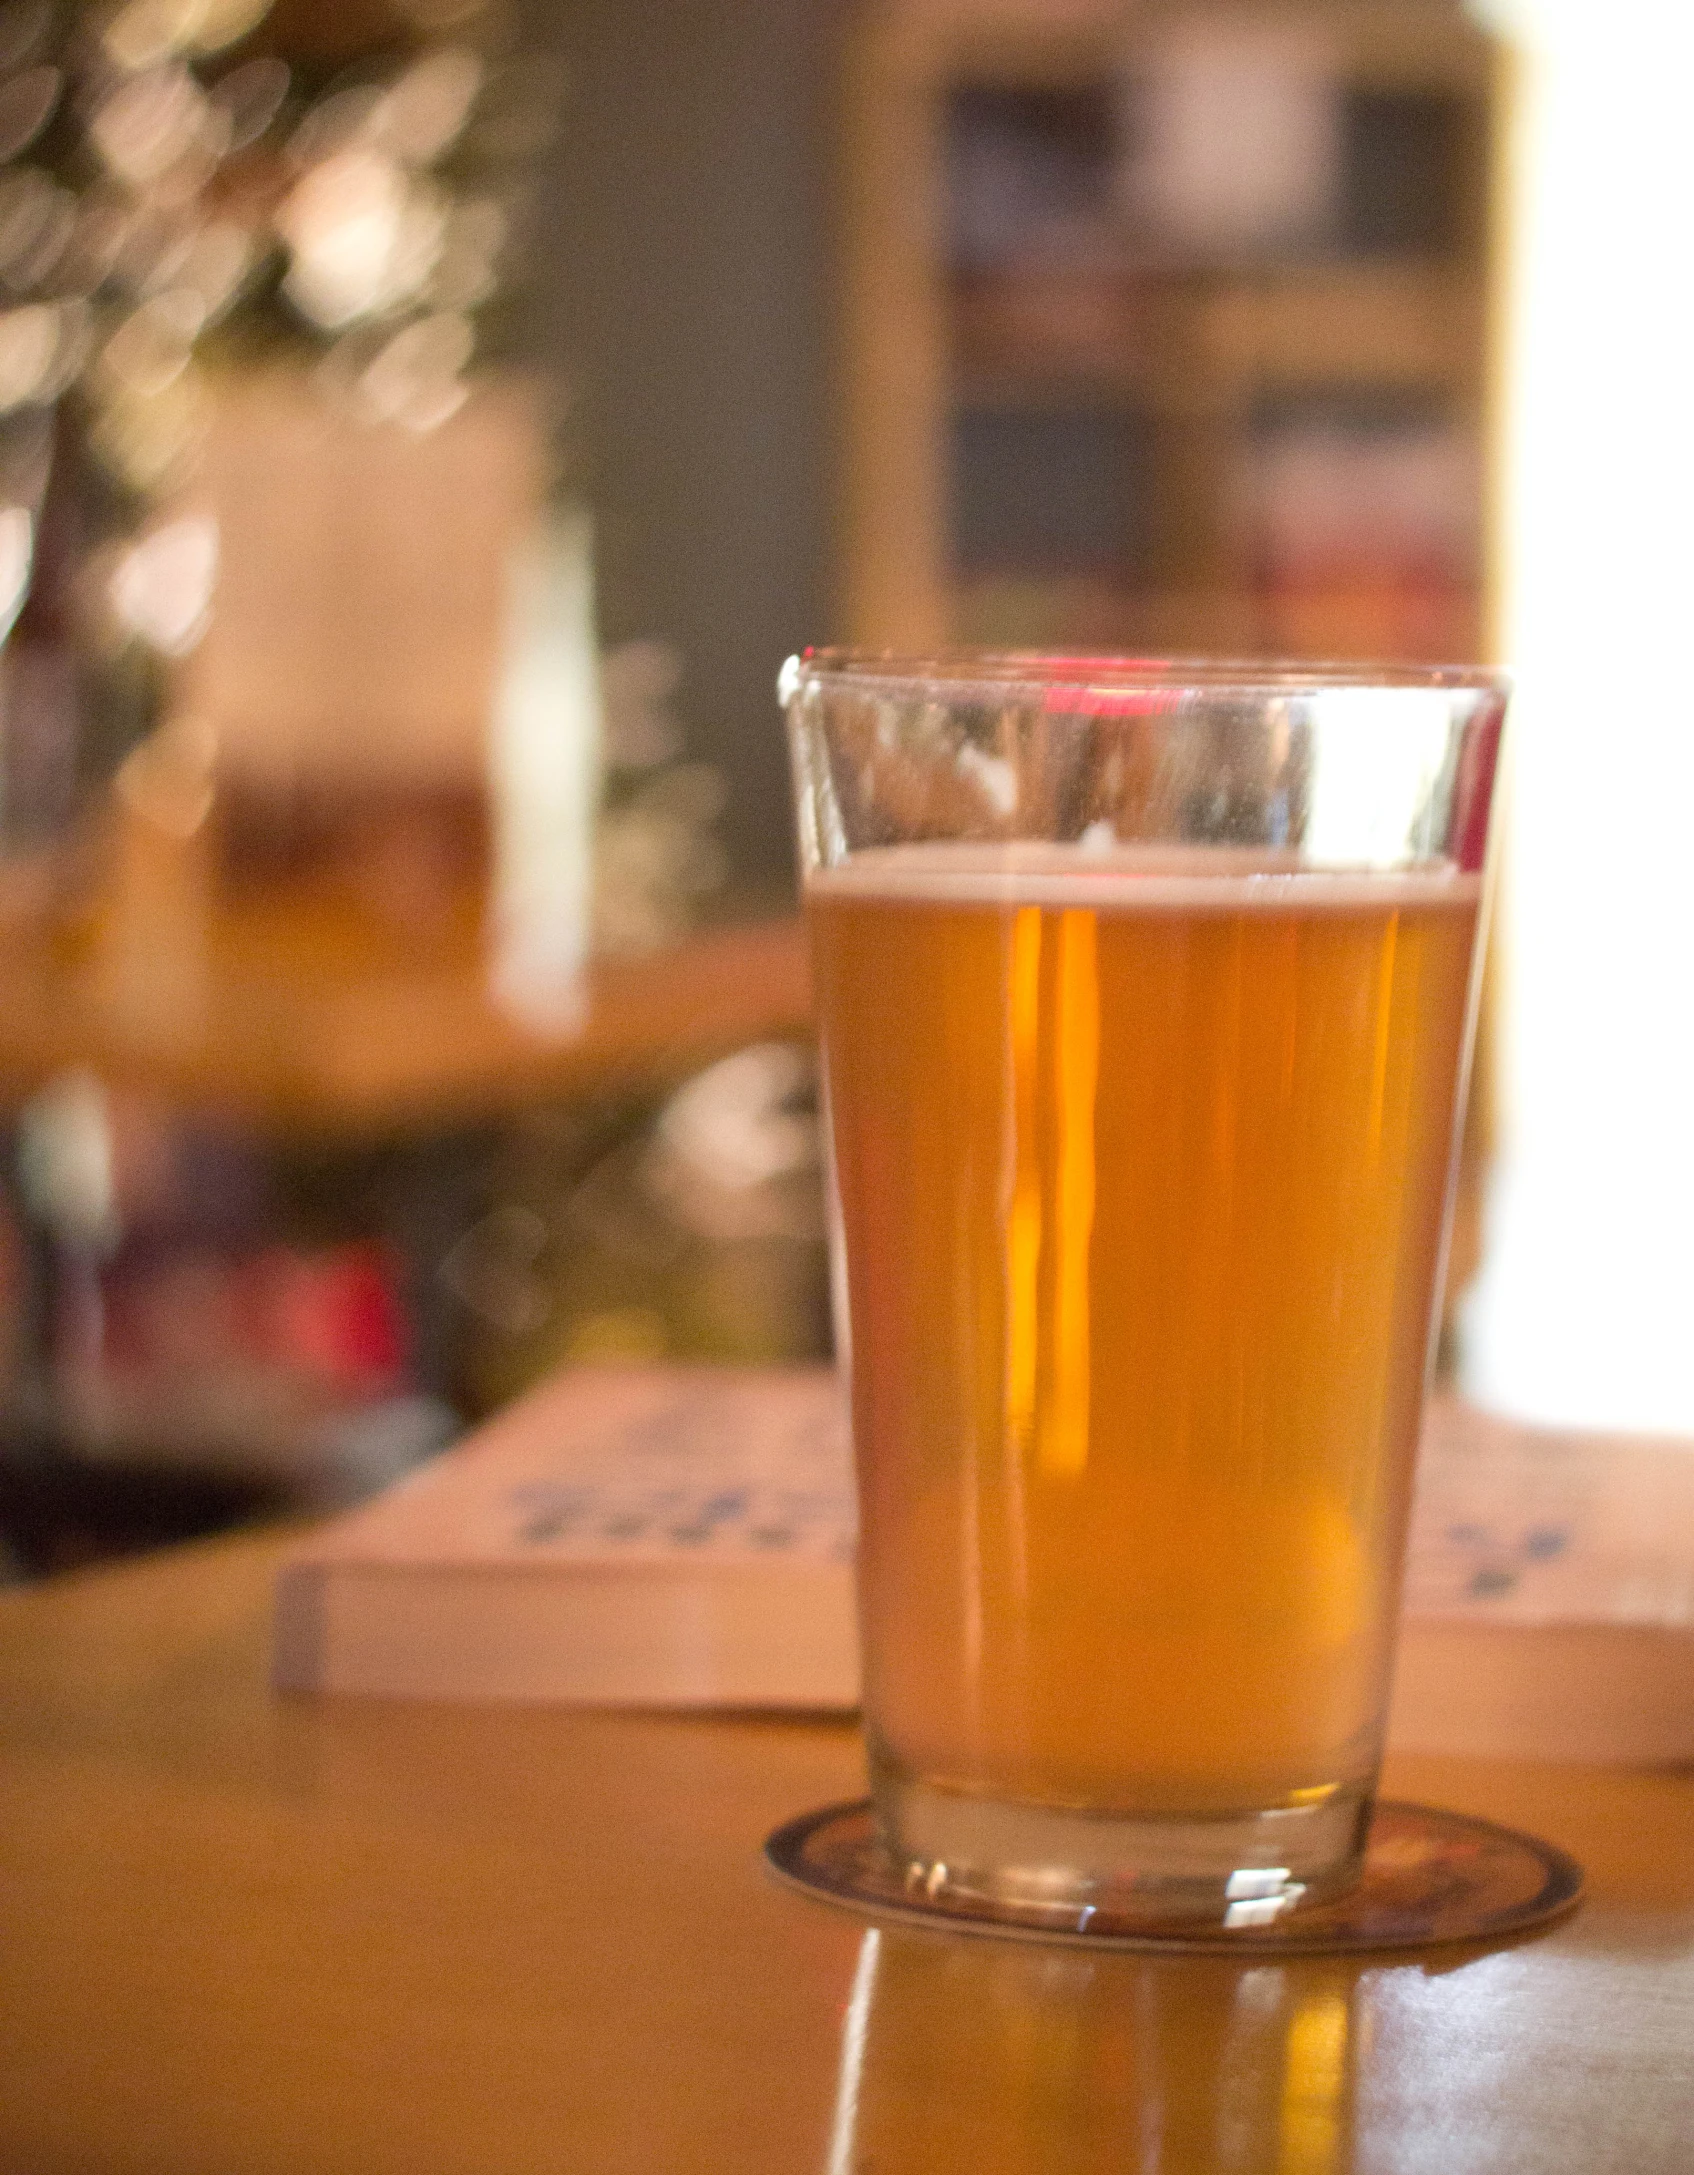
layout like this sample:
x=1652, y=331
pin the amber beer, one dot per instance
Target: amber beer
x=1141, y=1171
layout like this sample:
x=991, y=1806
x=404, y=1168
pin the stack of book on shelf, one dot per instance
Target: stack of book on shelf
x=1048, y=454
x=1359, y=521
x=1210, y=372
x=675, y=1537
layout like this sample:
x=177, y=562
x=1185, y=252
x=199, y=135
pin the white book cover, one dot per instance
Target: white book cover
x=653, y=1536
x=684, y=1537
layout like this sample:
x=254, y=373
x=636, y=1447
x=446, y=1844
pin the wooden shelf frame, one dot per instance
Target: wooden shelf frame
x=1224, y=334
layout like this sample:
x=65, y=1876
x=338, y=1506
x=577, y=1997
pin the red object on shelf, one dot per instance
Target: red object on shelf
x=330, y=1316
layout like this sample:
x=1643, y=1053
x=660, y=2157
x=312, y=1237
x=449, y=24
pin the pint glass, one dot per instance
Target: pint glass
x=1145, y=994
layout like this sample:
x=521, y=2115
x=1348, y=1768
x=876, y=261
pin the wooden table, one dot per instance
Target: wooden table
x=241, y=1935
x=283, y=1022
x=294, y=1027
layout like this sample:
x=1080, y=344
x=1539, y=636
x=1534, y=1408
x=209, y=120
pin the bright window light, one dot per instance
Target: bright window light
x=1584, y=1313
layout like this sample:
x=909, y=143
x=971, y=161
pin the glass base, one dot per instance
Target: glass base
x=1428, y=1876
x=1060, y=1866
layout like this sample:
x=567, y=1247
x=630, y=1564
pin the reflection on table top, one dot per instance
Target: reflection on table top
x=242, y=1935
x=286, y=1022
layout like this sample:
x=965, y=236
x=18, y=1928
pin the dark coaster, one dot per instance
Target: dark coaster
x=1429, y=1876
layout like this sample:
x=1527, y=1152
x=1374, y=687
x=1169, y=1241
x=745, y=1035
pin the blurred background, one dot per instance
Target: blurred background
x=425, y=425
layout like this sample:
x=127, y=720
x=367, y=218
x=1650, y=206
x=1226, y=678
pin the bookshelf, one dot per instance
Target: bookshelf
x=1105, y=385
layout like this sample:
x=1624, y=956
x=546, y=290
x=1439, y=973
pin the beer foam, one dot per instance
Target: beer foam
x=1134, y=879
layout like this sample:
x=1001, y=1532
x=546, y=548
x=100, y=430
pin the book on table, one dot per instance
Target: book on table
x=1549, y=1599
x=683, y=1537
x=621, y=1536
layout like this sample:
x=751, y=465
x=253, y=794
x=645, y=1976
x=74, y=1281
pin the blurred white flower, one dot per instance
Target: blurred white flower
x=343, y=121
x=29, y=345
x=149, y=122
x=37, y=220
x=249, y=98
x=430, y=104
x=168, y=777
x=415, y=378
x=362, y=237
x=148, y=438
x=161, y=587
x=148, y=31
x=466, y=270
x=151, y=348
x=210, y=265
x=17, y=551
x=26, y=104
x=223, y=21
x=23, y=28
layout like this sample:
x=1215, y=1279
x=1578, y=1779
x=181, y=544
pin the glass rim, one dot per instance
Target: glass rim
x=959, y=674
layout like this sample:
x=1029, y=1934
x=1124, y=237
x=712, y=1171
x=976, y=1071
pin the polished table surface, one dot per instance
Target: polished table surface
x=286, y=1021
x=242, y=1934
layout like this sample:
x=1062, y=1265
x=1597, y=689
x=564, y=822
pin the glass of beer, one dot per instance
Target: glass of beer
x=1146, y=994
